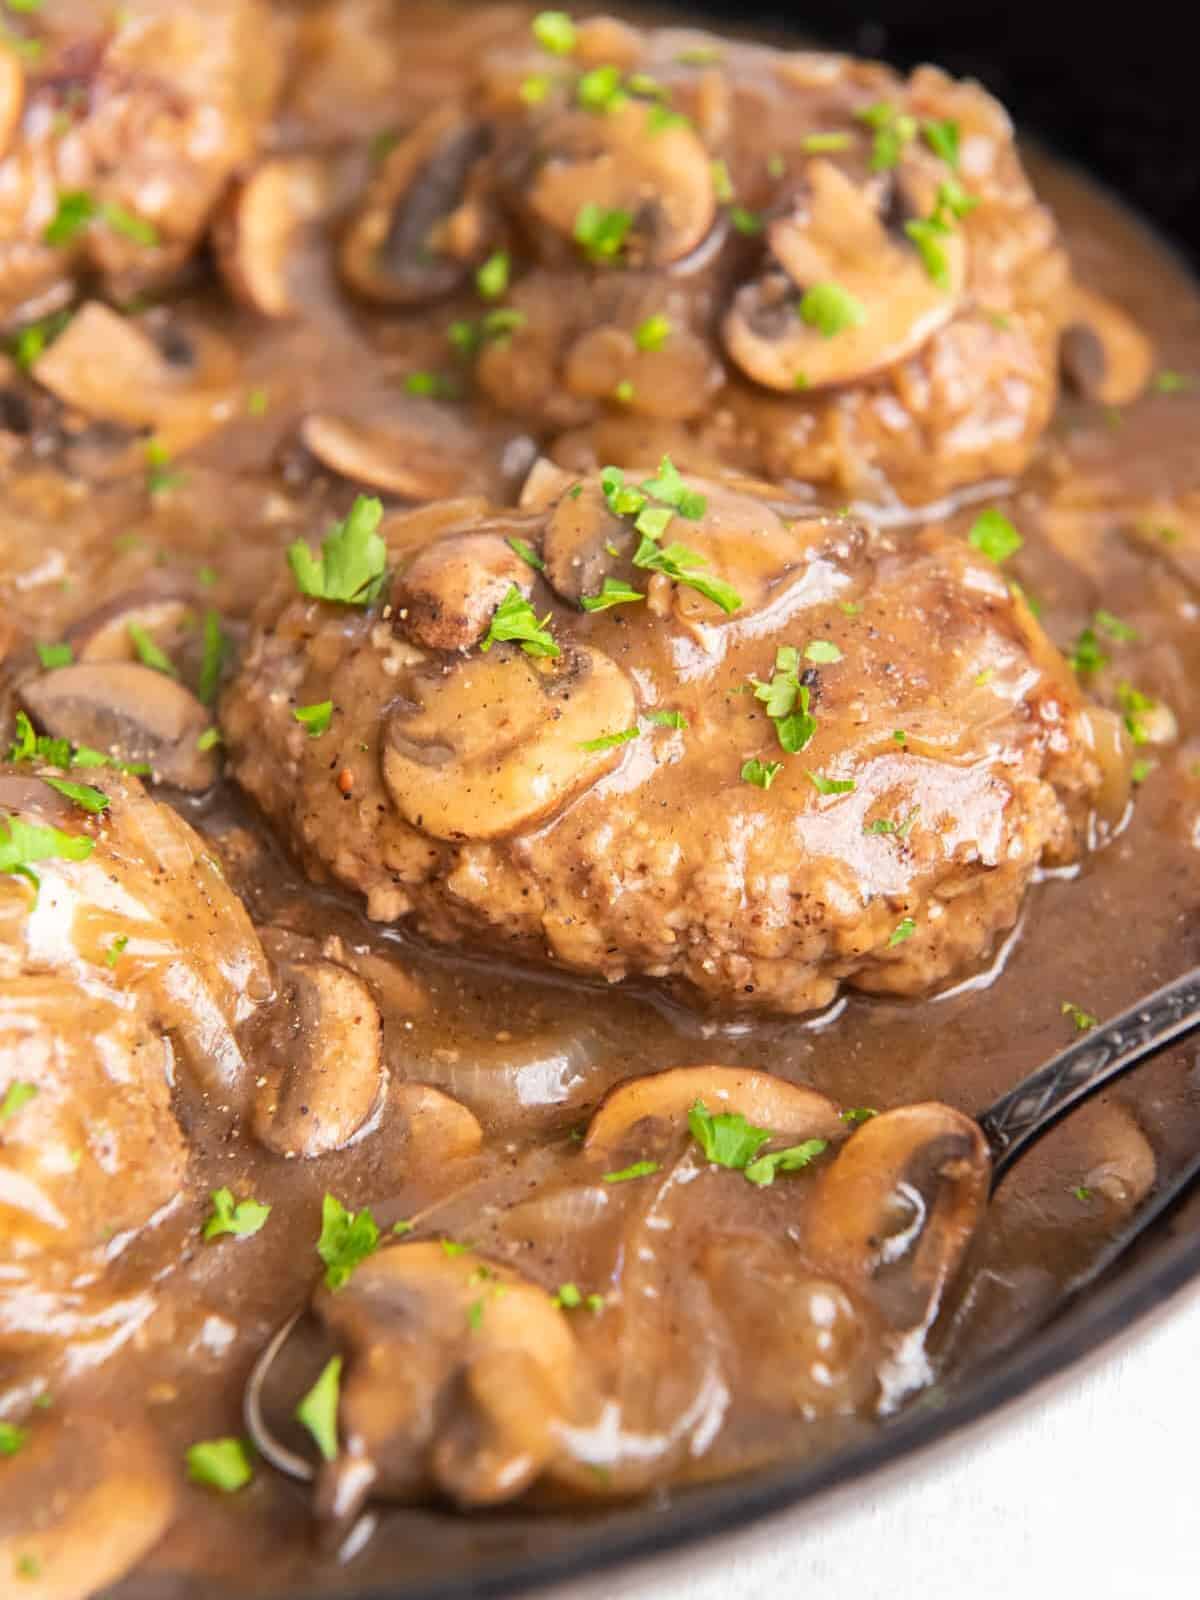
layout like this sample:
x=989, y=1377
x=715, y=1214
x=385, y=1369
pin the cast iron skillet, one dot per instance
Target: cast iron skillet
x=1117, y=101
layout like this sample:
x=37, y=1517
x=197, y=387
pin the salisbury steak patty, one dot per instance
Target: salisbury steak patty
x=671, y=730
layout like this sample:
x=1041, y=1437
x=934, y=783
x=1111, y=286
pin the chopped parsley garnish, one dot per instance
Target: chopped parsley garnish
x=624, y=392
x=257, y=402
x=1082, y=1193
x=653, y=333
x=761, y=774
x=554, y=31
x=899, y=735
x=453, y=1247
x=31, y=341
x=927, y=233
x=613, y=592
x=721, y=181
x=208, y=739
x=241, y=1217
x=747, y=222
x=1168, y=382
x=824, y=785
x=815, y=144
x=787, y=701
x=953, y=198
x=1082, y=1019
x=602, y=232
x=116, y=950
x=822, y=650
x=776, y=165
x=475, y=1315
x=18, y=1094
x=316, y=718
x=515, y=619
x=55, y=655
x=982, y=679
x=347, y=1238
x=26, y=843
x=830, y=309
x=160, y=474
x=893, y=130
x=1122, y=632
x=92, y=800
x=1140, y=771
x=28, y=746
x=129, y=224
x=527, y=554
x=903, y=930
x=149, y=653
x=726, y=1137
x=222, y=1464
x=670, y=489
x=318, y=1411
x=639, y=1169
x=667, y=719
x=994, y=536
x=215, y=645
x=492, y=277
x=353, y=560
x=535, y=88
x=12, y=1438
x=888, y=825
x=493, y=327
x=1134, y=706
x=29, y=1566
x=855, y=1115
x=608, y=741
x=766, y=1169
x=942, y=137
x=1086, y=655
x=433, y=384
x=568, y=1298
x=599, y=89
x=678, y=562
x=403, y=1226
x=75, y=210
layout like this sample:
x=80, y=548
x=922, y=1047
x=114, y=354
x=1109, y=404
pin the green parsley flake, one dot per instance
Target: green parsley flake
x=824, y=785
x=903, y=930
x=746, y=222
x=1082, y=1019
x=952, y=198
x=677, y=561
x=1134, y=706
x=149, y=653
x=213, y=660
x=1082, y=1193
x=1140, y=771
x=766, y=1168
x=602, y=232
x=600, y=89
x=667, y=719
x=492, y=277
x=222, y=1464
x=787, y=701
x=92, y=800
x=608, y=741
x=900, y=736
x=129, y=225
x=893, y=130
x=515, y=619
x=943, y=138
x=116, y=950
x=347, y=1238
x=535, y=88
x=822, y=650
x=527, y=554
x=815, y=144
x=761, y=774
x=160, y=474
x=318, y=1411
x=855, y=1115
x=28, y=1566
x=12, y=1438
x=776, y=165
x=25, y=843
x=240, y=1217
x=830, y=309
x=353, y=560
x=613, y=592
x=32, y=341
x=994, y=536
x=928, y=234
x=208, y=739
x=1122, y=632
x=554, y=31
x=54, y=655
x=316, y=718
x=1168, y=382
x=452, y=1248
x=727, y=1138
x=639, y=1169
x=18, y=1094
x=257, y=402
x=653, y=333
x=721, y=181
x=568, y=1297
x=982, y=679
x=403, y=1226
x=887, y=825
x=624, y=392
x=1086, y=656
x=74, y=212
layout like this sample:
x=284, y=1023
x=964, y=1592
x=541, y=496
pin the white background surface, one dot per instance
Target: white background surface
x=1087, y=1490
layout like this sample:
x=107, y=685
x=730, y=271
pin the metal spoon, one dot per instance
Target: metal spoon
x=1011, y=1125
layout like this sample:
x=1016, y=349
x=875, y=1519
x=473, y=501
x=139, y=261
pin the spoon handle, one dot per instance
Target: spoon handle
x=1014, y=1121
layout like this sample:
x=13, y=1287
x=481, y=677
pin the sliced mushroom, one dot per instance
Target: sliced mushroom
x=104, y=634
x=259, y=237
x=458, y=1373
x=839, y=238
x=447, y=595
x=1104, y=354
x=128, y=711
x=545, y=485
x=761, y=1097
x=496, y=743
x=896, y=1210
x=84, y=1501
x=580, y=539
x=422, y=451
x=661, y=177
x=324, y=1048
x=112, y=369
x=440, y=1127
x=419, y=228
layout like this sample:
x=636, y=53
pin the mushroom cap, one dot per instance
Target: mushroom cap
x=416, y=234
x=416, y=448
x=495, y=743
x=323, y=1037
x=837, y=236
x=1103, y=352
x=762, y=1098
x=129, y=711
x=258, y=235
x=457, y=1372
x=620, y=161
x=447, y=595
